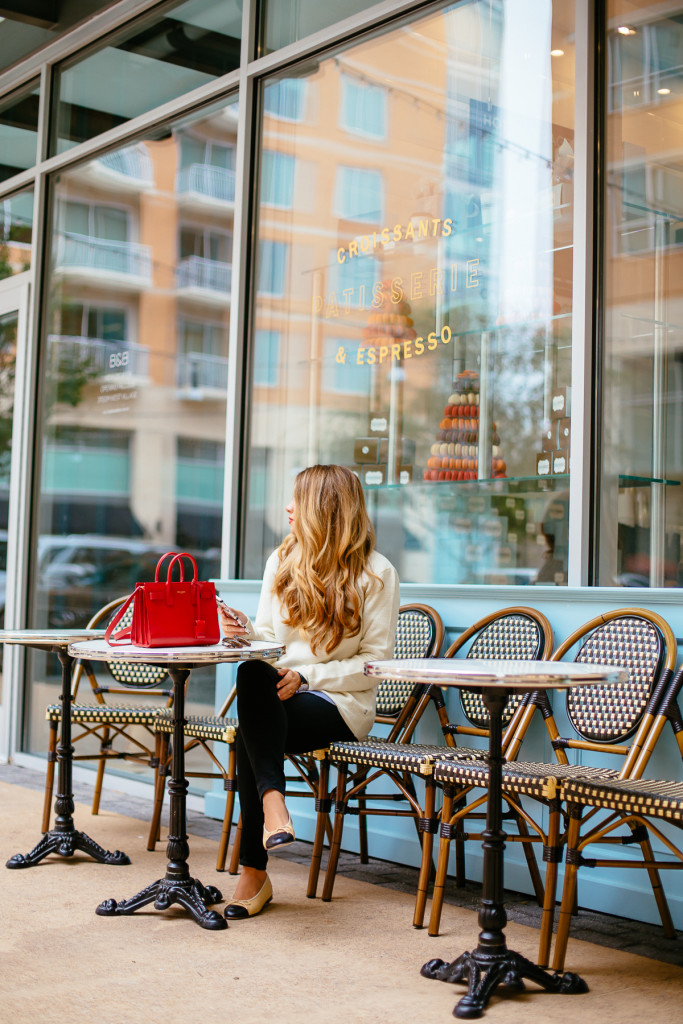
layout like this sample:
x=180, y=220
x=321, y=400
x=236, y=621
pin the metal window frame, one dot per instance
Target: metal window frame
x=244, y=83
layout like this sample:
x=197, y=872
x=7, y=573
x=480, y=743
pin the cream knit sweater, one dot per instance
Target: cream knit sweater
x=339, y=674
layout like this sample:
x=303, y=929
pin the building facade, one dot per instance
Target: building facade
x=439, y=243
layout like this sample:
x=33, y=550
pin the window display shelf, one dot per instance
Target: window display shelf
x=644, y=481
x=499, y=484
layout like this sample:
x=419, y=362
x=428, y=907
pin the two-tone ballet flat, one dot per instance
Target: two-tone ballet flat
x=250, y=908
x=280, y=837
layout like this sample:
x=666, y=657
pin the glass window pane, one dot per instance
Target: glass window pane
x=286, y=21
x=18, y=131
x=422, y=292
x=21, y=34
x=641, y=449
x=133, y=420
x=16, y=233
x=160, y=59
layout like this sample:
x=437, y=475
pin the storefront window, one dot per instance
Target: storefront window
x=415, y=291
x=163, y=57
x=133, y=422
x=641, y=492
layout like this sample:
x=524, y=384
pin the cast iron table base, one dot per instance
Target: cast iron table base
x=492, y=963
x=177, y=886
x=64, y=839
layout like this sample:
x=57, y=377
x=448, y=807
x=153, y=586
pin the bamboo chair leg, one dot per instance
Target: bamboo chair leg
x=429, y=825
x=552, y=858
x=104, y=745
x=363, y=830
x=335, y=845
x=442, y=862
x=658, y=891
x=322, y=822
x=159, y=790
x=234, y=867
x=50, y=775
x=568, y=889
x=159, y=780
x=534, y=873
x=227, y=825
x=460, y=875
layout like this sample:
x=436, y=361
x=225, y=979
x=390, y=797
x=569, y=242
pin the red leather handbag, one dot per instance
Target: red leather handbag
x=169, y=613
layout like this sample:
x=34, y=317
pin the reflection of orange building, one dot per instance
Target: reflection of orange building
x=143, y=268
x=395, y=175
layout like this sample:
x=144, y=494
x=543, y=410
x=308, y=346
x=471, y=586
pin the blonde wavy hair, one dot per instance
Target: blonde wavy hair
x=322, y=560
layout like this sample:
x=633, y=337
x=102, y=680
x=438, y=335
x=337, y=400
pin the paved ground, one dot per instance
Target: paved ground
x=602, y=929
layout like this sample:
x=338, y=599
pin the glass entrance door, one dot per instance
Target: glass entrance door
x=14, y=295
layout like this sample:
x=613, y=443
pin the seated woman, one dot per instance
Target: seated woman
x=333, y=600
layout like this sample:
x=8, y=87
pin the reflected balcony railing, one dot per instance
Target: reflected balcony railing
x=216, y=183
x=207, y=275
x=197, y=371
x=103, y=255
x=131, y=162
x=99, y=356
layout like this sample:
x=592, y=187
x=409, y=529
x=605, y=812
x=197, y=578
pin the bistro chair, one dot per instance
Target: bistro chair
x=631, y=802
x=120, y=731
x=419, y=633
x=603, y=720
x=517, y=632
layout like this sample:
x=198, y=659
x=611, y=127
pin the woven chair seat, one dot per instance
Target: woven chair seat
x=417, y=757
x=200, y=727
x=105, y=714
x=652, y=797
x=524, y=777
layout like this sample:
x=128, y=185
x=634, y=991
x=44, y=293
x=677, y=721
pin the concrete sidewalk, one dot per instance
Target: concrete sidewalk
x=355, y=960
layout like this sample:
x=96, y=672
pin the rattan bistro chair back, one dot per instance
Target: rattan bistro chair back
x=110, y=729
x=513, y=633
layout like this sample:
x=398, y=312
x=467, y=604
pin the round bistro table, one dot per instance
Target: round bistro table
x=492, y=963
x=64, y=839
x=177, y=886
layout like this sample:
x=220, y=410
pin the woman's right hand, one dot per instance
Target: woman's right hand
x=232, y=620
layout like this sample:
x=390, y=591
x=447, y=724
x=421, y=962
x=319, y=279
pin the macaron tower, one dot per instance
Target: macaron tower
x=455, y=454
x=390, y=320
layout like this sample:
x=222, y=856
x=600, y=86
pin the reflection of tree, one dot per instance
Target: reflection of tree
x=517, y=380
x=70, y=372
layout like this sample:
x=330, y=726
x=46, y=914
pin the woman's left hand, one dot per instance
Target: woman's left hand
x=289, y=683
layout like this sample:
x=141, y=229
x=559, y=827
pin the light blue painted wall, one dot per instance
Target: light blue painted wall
x=395, y=840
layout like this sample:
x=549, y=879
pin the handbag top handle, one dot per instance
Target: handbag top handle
x=179, y=559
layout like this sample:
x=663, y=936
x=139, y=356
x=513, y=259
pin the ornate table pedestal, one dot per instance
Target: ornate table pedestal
x=177, y=885
x=64, y=839
x=492, y=964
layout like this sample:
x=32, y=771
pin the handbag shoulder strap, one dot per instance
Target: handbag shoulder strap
x=123, y=635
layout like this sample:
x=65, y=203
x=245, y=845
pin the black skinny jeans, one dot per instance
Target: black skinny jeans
x=269, y=727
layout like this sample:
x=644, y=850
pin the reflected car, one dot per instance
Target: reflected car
x=79, y=574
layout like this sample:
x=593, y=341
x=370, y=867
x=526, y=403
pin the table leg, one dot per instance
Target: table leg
x=64, y=839
x=177, y=886
x=492, y=964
